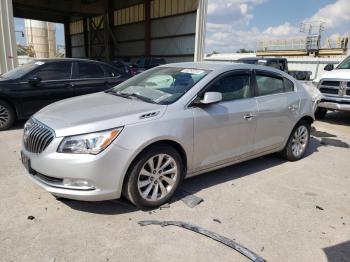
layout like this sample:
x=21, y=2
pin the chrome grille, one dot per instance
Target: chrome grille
x=37, y=137
x=338, y=88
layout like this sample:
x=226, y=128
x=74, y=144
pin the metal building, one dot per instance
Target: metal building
x=109, y=29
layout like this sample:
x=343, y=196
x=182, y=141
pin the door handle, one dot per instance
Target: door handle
x=249, y=116
x=70, y=85
x=292, y=107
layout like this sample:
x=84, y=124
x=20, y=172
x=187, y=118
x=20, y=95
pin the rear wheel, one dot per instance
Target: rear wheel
x=154, y=177
x=298, y=142
x=7, y=115
x=320, y=113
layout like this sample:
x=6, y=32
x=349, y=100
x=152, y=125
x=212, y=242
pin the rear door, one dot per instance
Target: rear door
x=278, y=105
x=55, y=85
x=225, y=131
x=113, y=76
x=89, y=77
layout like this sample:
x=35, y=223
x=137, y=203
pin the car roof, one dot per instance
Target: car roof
x=222, y=66
x=262, y=58
x=50, y=60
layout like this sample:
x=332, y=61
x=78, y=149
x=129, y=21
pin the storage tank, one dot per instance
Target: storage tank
x=41, y=37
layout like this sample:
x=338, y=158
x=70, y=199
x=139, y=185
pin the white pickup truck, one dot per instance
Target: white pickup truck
x=335, y=88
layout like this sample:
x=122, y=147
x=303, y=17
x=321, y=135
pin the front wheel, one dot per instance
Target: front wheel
x=154, y=177
x=7, y=116
x=298, y=142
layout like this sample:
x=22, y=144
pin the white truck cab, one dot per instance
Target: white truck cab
x=335, y=88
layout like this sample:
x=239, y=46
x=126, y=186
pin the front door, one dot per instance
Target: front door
x=225, y=131
x=54, y=85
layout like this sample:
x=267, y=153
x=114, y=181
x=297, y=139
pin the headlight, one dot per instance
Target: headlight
x=93, y=143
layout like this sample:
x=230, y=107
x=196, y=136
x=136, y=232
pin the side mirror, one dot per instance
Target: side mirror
x=211, y=98
x=329, y=67
x=34, y=80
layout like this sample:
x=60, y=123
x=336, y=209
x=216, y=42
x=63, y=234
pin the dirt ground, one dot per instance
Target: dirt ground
x=281, y=210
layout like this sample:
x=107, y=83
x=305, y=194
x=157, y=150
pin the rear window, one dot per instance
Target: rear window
x=89, y=70
x=269, y=85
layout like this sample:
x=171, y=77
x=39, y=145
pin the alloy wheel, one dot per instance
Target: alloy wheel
x=157, y=177
x=4, y=116
x=300, y=140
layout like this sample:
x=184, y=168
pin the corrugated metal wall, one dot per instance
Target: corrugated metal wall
x=173, y=27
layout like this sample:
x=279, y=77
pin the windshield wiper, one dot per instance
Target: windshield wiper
x=117, y=93
x=143, y=98
x=129, y=95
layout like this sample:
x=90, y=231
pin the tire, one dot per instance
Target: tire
x=320, y=113
x=298, y=142
x=148, y=187
x=7, y=115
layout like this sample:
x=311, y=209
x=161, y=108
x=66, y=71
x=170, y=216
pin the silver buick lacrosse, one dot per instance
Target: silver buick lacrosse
x=142, y=137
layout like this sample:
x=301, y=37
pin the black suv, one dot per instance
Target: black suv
x=27, y=89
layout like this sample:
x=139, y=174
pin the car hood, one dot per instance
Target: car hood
x=96, y=112
x=337, y=74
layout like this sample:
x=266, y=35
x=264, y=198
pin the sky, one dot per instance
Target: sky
x=236, y=24
x=19, y=26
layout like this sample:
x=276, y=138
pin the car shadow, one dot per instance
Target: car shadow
x=236, y=171
x=191, y=185
x=111, y=207
x=338, y=253
x=337, y=118
x=18, y=125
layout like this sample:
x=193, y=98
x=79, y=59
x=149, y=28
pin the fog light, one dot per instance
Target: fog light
x=77, y=184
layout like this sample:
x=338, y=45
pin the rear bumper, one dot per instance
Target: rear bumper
x=334, y=106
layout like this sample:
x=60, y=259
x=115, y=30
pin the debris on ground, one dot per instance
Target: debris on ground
x=334, y=142
x=30, y=217
x=217, y=220
x=320, y=208
x=189, y=199
x=262, y=249
x=164, y=206
x=224, y=240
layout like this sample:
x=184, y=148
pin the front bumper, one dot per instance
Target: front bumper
x=339, y=106
x=104, y=173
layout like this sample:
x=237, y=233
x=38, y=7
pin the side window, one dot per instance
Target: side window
x=110, y=72
x=89, y=70
x=54, y=71
x=288, y=85
x=232, y=87
x=268, y=85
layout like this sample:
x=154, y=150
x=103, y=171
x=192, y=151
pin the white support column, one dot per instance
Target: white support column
x=201, y=28
x=8, y=49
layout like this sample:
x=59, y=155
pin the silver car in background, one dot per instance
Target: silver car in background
x=141, y=138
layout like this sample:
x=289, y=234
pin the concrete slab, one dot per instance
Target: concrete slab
x=266, y=204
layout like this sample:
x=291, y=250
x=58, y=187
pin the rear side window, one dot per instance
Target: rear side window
x=288, y=85
x=269, y=85
x=110, y=72
x=55, y=71
x=89, y=70
x=232, y=87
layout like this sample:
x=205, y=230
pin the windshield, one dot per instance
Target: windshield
x=345, y=64
x=161, y=85
x=20, y=71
